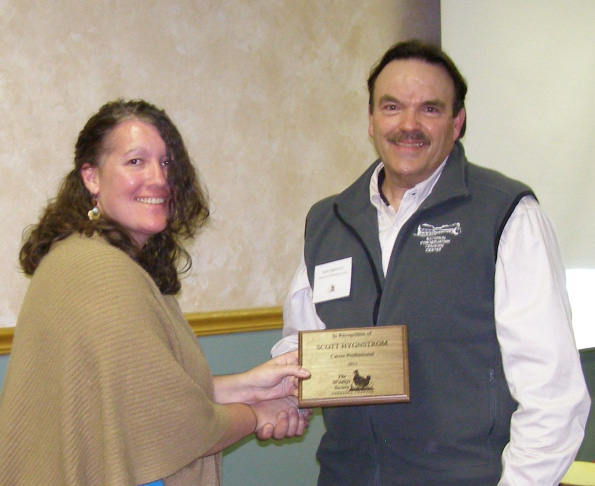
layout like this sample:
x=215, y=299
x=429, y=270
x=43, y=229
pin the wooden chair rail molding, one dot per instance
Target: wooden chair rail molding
x=205, y=323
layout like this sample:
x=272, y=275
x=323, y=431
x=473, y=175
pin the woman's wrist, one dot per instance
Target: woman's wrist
x=255, y=418
x=231, y=388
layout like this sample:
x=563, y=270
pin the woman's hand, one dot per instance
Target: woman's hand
x=266, y=392
x=276, y=378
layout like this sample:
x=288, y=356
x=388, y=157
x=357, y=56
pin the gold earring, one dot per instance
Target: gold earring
x=94, y=213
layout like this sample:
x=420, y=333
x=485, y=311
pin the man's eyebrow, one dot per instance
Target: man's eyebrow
x=432, y=102
x=437, y=102
x=387, y=97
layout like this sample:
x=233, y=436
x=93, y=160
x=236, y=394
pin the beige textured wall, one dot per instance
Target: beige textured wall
x=269, y=95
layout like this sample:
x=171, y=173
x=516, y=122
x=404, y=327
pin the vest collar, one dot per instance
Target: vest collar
x=452, y=183
x=354, y=202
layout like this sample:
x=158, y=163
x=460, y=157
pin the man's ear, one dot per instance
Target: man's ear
x=90, y=179
x=458, y=123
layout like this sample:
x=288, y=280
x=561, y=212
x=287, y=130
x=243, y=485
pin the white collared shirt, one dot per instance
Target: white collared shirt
x=533, y=326
x=390, y=221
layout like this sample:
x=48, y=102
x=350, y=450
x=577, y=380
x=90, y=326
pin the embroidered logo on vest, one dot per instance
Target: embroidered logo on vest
x=436, y=237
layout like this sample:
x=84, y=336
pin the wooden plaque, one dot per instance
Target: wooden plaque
x=354, y=366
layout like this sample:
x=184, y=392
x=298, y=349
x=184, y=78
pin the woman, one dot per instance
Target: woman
x=106, y=383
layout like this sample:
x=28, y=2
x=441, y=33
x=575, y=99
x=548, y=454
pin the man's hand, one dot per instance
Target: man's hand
x=280, y=419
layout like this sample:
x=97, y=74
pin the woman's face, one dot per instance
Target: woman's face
x=130, y=182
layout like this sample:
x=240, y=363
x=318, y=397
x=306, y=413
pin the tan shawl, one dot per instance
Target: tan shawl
x=106, y=383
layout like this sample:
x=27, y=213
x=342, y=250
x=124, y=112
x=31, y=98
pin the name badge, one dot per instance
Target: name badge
x=332, y=280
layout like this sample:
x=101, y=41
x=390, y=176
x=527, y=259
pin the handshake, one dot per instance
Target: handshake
x=269, y=391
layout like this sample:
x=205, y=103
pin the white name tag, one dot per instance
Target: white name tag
x=332, y=280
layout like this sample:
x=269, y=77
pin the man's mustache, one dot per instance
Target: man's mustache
x=409, y=137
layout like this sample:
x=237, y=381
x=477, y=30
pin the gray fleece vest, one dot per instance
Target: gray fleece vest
x=440, y=283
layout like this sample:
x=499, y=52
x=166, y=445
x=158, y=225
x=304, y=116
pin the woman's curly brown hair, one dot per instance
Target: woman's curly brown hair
x=67, y=212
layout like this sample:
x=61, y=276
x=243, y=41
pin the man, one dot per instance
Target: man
x=465, y=257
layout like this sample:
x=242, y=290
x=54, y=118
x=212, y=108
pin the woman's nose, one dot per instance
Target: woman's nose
x=158, y=173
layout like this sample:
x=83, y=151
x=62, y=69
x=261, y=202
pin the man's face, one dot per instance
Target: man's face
x=412, y=122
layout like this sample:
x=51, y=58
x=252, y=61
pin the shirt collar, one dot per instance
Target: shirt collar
x=421, y=190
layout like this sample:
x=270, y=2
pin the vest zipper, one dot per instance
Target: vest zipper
x=493, y=399
x=376, y=477
x=356, y=235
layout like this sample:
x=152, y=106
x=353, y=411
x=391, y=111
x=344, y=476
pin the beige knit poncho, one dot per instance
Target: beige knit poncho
x=106, y=384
